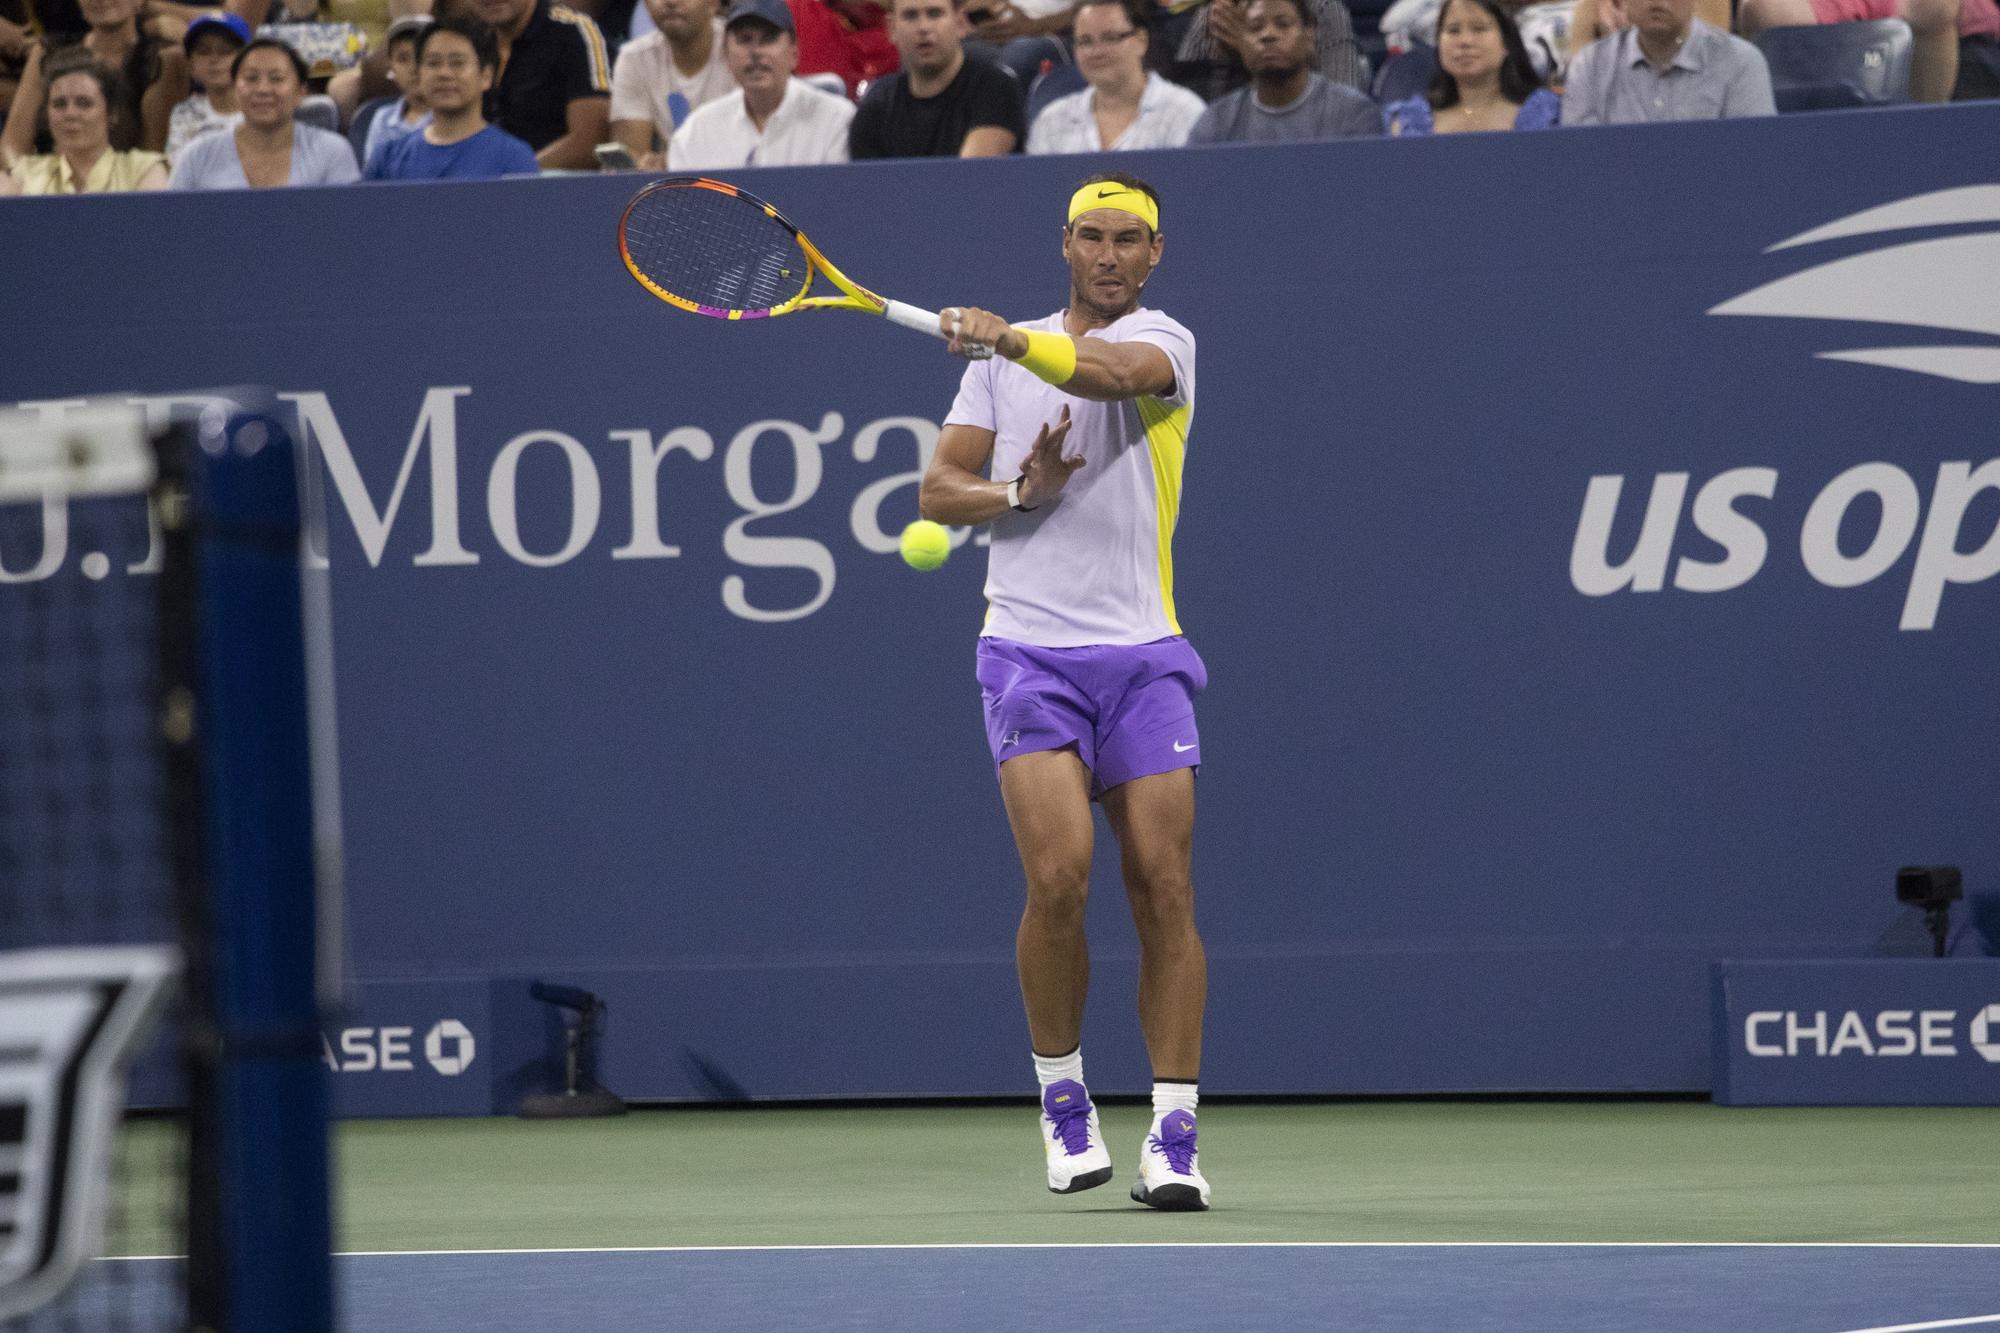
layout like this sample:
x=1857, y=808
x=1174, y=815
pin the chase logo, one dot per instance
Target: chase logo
x=1892, y=1032
x=449, y=1047
x=1985, y=1034
x=1948, y=284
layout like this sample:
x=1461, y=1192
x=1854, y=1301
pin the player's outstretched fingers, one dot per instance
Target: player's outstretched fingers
x=1046, y=470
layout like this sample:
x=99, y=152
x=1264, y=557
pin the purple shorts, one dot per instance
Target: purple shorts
x=1128, y=709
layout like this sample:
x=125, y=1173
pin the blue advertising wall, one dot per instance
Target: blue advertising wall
x=1565, y=635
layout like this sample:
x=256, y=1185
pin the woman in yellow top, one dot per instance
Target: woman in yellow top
x=152, y=76
x=82, y=105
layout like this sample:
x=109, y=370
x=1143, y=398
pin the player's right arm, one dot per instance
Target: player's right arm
x=955, y=490
x=1108, y=372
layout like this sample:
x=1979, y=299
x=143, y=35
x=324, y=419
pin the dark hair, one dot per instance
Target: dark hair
x=77, y=60
x=1517, y=72
x=485, y=46
x=1308, y=14
x=132, y=77
x=1135, y=11
x=414, y=36
x=1125, y=179
x=271, y=44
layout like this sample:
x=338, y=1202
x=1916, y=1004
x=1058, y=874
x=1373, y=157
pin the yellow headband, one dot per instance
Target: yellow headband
x=1110, y=194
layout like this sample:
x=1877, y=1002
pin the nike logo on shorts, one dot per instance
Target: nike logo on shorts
x=1182, y=749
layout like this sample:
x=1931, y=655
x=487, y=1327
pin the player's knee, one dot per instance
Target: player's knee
x=1927, y=16
x=1057, y=888
x=1162, y=898
x=1754, y=16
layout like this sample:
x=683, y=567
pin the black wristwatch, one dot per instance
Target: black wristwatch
x=1014, y=496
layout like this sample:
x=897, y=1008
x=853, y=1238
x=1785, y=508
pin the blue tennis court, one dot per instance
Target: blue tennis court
x=1611, y=1288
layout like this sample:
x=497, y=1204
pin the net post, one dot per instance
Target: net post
x=235, y=529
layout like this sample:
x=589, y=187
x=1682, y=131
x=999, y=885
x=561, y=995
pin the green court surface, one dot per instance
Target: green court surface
x=1658, y=1171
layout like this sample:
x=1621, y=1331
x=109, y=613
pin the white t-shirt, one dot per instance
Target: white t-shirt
x=1167, y=112
x=809, y=127
x=193, y=118
x=647, y=85
x=1095, y=565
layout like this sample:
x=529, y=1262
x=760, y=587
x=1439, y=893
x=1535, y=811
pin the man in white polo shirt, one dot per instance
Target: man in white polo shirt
x=772, y=120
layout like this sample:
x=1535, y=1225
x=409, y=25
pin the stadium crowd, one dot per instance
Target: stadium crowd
x=117, y=95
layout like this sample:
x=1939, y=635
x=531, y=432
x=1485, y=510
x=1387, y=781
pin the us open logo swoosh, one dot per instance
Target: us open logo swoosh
x=1950, y=284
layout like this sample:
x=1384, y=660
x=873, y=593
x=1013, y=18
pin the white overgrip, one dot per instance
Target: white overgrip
x=911, y=317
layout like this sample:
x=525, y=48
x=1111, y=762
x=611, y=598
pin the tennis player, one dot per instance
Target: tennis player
x=1081, y=422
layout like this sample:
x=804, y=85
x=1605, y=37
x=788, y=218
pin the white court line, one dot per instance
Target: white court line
x=1208, y=1245
x=1940, y=1323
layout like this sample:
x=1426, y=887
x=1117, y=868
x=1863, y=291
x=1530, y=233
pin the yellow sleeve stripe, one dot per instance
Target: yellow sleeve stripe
x=1166, y=441
x=593, y=41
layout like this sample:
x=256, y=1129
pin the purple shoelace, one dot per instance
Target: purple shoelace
x=1067, y=1106
x=1176, y=1142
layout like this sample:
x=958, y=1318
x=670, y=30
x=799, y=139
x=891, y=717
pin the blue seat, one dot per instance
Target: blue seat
x=319, y=111
x=1835, y=65
x=1406, y=75
x=1051, y=84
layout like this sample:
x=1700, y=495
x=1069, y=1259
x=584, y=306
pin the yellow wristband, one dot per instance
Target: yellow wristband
x=1050, y=356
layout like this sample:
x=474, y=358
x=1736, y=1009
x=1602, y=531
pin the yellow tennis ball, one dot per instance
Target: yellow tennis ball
x=925, y=544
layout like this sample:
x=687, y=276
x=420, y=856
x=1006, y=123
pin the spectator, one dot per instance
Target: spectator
x=1485, y=79
x=1287, y=101
x=22, y=23
x=1213, y=55
x=1125, y=106
x=1546, y=28
x=83, y=103
x=212, y=42
x=152, y=78
x=457, y=64
x=1591, y=20
x=662, y=76
x=772, y=120
x=1023, y=37
x=383, y=120
x=555, y=80
x=1668, y=65
x=1978, y=52
x=1935, y=28
x=845, y=38
x=268, y=148
x=942, y=104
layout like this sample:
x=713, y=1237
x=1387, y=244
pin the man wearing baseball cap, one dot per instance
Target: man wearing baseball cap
x=772, y=119
x=212, y=41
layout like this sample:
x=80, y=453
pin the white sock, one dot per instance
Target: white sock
x=1054, y=1068
x=1174, y=1097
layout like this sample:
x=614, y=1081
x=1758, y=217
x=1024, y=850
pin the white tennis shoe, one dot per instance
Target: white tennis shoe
x=1078, y=1159
x=1170, y=1176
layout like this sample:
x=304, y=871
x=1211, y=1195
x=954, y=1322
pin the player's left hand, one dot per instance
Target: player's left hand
x=977, y=334
x=1046, y=470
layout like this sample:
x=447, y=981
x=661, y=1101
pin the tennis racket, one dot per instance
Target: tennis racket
x=707, y=246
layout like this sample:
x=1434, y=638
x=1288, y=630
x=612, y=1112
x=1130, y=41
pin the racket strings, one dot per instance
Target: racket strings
x=715, y=250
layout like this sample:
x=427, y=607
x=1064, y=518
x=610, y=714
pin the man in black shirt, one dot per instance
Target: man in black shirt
x=941, y=104
x=555, y=80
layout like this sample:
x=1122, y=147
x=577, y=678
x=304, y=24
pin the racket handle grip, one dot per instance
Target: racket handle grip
x=913, y=317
